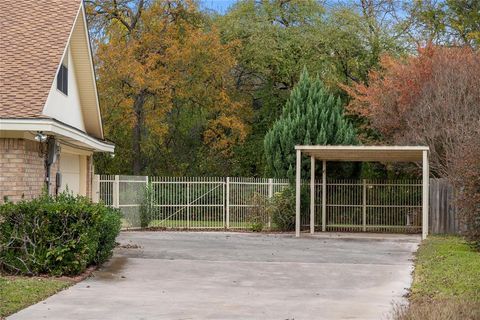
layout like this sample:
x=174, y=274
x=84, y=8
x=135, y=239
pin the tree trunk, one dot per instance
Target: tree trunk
x=138, y=133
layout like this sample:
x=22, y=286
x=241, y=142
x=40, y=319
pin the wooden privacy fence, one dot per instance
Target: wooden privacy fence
x=227, y=203
x=443, y=214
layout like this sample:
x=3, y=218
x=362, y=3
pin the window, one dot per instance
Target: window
x=62, y=79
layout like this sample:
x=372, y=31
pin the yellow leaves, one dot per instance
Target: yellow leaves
x=178, y=62
x=225, y=132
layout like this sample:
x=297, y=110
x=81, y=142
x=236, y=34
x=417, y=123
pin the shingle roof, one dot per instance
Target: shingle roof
x=33, y=37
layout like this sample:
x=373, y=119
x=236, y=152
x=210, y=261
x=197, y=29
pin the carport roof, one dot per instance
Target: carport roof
x=364, y=153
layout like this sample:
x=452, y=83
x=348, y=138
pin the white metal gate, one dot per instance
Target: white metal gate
x=369, y=206
x=226, y=203
x=188, y=202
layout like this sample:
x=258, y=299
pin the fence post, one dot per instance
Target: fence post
x=96, y=188
x=116, y=192
x=270, y=195
x=324, y=195
x=188, y=205
x=227, y=201
x=364, y=205
x=147, y=192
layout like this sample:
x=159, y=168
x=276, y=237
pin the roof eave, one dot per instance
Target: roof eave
x=62, y=131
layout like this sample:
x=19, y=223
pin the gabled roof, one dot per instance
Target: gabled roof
x=33, y=38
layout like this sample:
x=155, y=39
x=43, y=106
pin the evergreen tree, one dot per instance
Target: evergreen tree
x=311, y=116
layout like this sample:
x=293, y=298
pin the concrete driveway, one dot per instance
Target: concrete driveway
x=216, y=275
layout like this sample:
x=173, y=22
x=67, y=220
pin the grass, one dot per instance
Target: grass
x=200, y=224
x=197, y=224
x=446, y=282
x=446, y=267
x=17, y=293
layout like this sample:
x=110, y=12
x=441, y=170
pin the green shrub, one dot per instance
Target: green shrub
x=282, y=209
x=146, y=206
x=60, y=235
x=257, y=213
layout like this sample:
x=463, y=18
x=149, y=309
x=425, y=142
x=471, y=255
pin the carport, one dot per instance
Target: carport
x=417, y=154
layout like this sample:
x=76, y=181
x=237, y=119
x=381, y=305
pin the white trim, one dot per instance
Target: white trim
x=65, y=52
x=297, y=192
x=312, y=195
x=70, y=149
x=324, y=195
x=99, y=116
x=361, y=148
x=79, y=138
x=425, y=193
x=81, y=12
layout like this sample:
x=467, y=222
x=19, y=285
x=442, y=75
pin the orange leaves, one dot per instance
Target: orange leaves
x=428, y=99
x=224, y=132
x=174, y=60
x=393, y=90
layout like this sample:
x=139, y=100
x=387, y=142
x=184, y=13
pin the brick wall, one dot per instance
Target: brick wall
x=22, y=169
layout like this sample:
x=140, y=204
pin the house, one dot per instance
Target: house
x=50, y=123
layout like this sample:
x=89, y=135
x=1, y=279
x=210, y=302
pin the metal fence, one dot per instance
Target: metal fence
x=371, y=205
x=227, y=203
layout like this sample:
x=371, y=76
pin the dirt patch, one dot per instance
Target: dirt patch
x=112, y=270
x=129, y=246
x=74, y=279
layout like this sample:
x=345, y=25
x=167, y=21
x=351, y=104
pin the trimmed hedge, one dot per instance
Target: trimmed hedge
x=60, y=235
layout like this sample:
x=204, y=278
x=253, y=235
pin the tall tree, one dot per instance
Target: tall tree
x=310, y=116
x=279, y=37
x=429, y=99
x=445, y=22
x=432, y=99
x=160, y=82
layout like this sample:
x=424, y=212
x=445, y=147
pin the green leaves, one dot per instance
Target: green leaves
x=310, y=116
x=56, y=235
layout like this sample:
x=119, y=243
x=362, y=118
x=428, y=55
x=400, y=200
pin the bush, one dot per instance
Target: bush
x=257, y=213
x=146, y=206
x=282, y=209
x=465, y=175
x=60, y=235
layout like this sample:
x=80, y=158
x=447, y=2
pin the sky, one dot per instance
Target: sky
x=217, y=5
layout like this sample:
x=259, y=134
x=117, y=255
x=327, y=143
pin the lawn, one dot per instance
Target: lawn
x=446, y=266
x=182, y=224
x=446, y=282
x=197, y=224
x=17, y=293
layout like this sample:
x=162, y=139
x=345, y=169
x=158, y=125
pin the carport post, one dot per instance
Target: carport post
x=297, y=192
x=227, y=203
x=425, y=193
x=324, y=195
x=116, y=192
x=312, y=194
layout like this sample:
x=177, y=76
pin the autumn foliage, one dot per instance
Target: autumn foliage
x=433, y=99
x=169, y=64
x=392, y=91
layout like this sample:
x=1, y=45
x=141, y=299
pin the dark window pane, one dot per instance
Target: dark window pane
x=65, y=80
x=62, y=79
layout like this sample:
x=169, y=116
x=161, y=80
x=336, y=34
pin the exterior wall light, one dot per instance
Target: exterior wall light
x=41, y=137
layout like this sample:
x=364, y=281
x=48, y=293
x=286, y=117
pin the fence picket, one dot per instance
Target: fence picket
x=227, y=203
